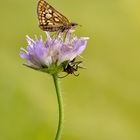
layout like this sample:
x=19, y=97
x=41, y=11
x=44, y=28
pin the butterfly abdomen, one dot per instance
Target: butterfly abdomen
x=48, y=28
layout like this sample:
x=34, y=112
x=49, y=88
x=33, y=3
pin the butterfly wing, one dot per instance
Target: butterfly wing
x=49, y=18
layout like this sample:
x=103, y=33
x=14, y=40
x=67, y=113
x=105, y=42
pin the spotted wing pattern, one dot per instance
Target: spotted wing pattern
x=50, y=19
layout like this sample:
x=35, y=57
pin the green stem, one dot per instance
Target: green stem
x=60, y=106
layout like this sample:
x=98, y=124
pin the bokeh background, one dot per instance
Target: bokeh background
x=103, y=103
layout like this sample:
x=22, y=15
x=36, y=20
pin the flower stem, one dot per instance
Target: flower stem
x=60, y=106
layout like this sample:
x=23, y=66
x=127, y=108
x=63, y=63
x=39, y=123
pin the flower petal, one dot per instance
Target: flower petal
x=55, y=50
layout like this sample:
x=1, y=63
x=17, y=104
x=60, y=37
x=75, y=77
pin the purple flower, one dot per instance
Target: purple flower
x=54, y=51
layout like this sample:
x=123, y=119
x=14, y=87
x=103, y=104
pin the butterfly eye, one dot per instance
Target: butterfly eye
x=74, y=24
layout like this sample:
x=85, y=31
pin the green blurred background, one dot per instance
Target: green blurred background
x=103, y=103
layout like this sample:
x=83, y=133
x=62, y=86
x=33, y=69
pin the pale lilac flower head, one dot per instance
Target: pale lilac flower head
x=54, y=51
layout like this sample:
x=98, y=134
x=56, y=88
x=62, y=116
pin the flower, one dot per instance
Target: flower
x=51, y=55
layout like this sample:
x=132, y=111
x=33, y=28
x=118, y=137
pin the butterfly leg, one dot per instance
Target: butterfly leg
x=54, y=35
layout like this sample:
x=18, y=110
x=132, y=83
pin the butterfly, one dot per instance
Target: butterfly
x=51, y=20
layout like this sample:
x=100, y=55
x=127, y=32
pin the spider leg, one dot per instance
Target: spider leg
x=76, y=74
x=63, y=76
